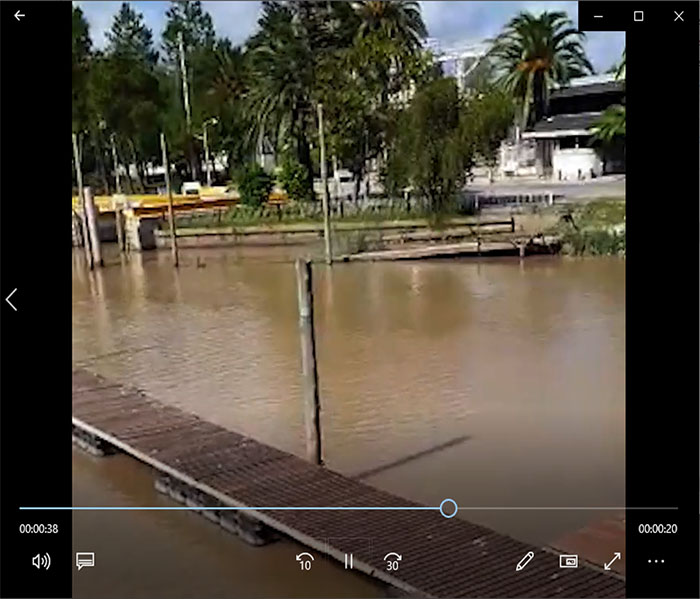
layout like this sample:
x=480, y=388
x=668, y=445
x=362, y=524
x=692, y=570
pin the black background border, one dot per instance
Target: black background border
x=35, y=258
x=662, y=283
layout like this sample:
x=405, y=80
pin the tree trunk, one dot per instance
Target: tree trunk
x=357, y=179
x=125, y=163
x=99, y=160
x=194, y=170
x=139, y=180
x=304, y=151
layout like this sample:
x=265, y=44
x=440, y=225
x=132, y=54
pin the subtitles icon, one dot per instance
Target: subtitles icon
x=84, y=560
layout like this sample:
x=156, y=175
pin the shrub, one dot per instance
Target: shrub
x=294, y=179
x=254, y=185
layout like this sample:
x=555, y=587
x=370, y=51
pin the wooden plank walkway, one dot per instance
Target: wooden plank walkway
x=441, y=557
x=505, y=244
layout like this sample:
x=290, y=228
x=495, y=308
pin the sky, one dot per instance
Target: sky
x=450, y=22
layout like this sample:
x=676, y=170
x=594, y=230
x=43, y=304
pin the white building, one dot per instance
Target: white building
x=461, y=61
x=560, y=145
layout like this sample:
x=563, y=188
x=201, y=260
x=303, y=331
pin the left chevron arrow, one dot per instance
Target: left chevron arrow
x=7, y=299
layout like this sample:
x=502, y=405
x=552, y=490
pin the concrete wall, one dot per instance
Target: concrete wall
x=572, y=164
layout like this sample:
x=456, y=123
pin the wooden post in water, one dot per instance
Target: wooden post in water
x=312, y=405
x=92, y=216
x=324, y=179
x=115, y=203
x=171, y=215
x=81, y=200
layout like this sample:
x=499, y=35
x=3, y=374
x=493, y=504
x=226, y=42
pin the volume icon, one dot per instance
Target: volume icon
x=41, y=561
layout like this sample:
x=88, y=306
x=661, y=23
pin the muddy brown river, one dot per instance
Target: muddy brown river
x=495, y=382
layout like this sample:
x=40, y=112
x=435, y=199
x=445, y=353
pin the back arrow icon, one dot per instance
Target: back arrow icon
x=18, y=15
x=7, y=299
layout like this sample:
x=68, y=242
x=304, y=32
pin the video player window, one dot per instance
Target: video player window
x=351, y=310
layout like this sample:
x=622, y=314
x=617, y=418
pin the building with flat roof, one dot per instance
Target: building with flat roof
x=561, y=143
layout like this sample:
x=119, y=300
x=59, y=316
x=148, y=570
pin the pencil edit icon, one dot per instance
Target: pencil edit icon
x=526, y=559
x=84, y=560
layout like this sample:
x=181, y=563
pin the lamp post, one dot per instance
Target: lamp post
x=211, y=121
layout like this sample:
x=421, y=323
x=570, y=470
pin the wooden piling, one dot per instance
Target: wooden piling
x=93, y=227
x=81, y=201
x=312, y=405
x=324, y=179
x=171, y=215
x=115, y=203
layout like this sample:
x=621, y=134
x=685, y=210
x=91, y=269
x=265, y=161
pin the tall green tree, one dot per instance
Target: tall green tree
x=432, y=151
x=81, y=54
x=224, y=98
x=397, y=20
x=283, y=62
x=187, y=20
x=125, y=91
x=129, y=38
x=489, y=113
x=535, y=52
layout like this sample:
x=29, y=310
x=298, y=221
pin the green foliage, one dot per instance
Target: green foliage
x=359, y=59
x=129, y=38
x=489, y=116
x=611, y=125
x=595, y=228
x=431, y=151
x=399, y=20
x=80, y=68
x=282, y=63
x=294, y=179
x=594, y=243
x=535, y=52
x=187, y=18
x=254, y=184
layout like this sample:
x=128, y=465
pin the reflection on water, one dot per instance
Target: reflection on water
x=523, y=361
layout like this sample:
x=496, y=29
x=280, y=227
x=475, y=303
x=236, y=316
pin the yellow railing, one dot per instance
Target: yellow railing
x=104, y=203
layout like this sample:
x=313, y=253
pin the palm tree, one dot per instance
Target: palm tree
x=622, y=69
x=612, y=123
x=281, y=61
x=535, y=53
x=399, y=20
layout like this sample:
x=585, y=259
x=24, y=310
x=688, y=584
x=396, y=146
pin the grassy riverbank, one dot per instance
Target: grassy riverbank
x=297, y=214
x=596, y=228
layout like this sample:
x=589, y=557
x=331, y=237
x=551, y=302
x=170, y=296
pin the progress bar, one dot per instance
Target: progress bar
x=448, y=508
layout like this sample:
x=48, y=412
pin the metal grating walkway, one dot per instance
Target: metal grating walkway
x=441, y=557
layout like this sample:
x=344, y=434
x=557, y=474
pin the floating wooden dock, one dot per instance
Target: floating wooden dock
x=441, y=557
x=503, y=246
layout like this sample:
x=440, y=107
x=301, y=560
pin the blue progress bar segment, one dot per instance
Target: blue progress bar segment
x=449, y=512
